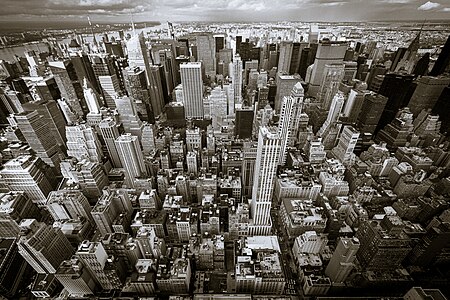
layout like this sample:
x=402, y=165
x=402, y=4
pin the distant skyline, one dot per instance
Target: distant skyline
x=223, y=10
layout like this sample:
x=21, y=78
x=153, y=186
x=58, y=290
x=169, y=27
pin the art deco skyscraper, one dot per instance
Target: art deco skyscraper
x=263, y=181
x=110, y=132
x=191, y=79
x=130, y=155
x=82, y=143
x=43, y=246
x=30, y=175
x=291, y=108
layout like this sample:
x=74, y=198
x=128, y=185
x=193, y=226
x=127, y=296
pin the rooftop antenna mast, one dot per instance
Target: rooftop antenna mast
x=132, y=21
x=92, y=30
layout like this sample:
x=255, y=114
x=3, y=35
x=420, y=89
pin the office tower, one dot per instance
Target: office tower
x=191, y=79
x=236, y=74
x=396, y=133
x=342, y=261
x=427, y=91
x=371, y=110
x=267, y=157
x=64, y=80
x=296, y=57
x=288, y=125
x=91, y=177
x=346, y=145
x=137, y=89
x=14, y=207
x=328, y=52
x=128, y=116
x=353, y=105
x=12, y=267
x=441, y=108
x=383, y=244
x=218, y=101
x=398, y=88
x=12, y=101
x=94, y=257
x=30, y=175
x=52, y=116
x=206, y=52
x=43, y=246
x=303, y=64
x=409, y=59
x=156, y=89
x=333, y=114
x=244, y=123
x=148, y=139
x=82, y=143
x=131, y=157
x=110, y=88
x=110, y=132
x=219, y=42
x=284, y=61
x=75, y=278
x=443, y=62
x=285, y=84
x=69, y=205
x=83, y=69
x=331, y=78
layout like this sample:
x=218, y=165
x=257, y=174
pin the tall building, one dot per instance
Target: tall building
x=206, y=52
x=267, y=157
x=285, y=84
x=333, y=114
x=128, y=116
x=398, y=88
x=75, y=278
x=69, y=205
x=346, y=145
x=342, y=261
x=137, y=89
x=110, y=132
x=288, y=125
x=371, y=110
x=191, y=79
x=244, y=123
x=82, y=143
x=14, y=207
x=328, y=52
x=30, y=175
x=331, y=78
x=93, y=256
x=427, y=92
x=131, y=157
x=43, y=246
x=237, y=79
x=443, y=62
x=284, y=62
x=110, y=88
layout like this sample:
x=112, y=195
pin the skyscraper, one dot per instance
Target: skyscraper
x=291, y=108
x=82, y=143
x=130, y=155
x=191, y=79
x=371, y=110
x=206, y=52
x=331, y=78
x=333, y=114
x=110, y=132
x=427, y=92
x=237, y=79
x=346, y=145
x=285, y=84
x=284, y=62
x=328, y=52
x=137, y=88
x=43, y=246
x=342, y=261
x=443, y=62
x=30, y=175
x=267, y=157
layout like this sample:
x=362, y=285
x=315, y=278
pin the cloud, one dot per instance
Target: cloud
x=396, y=1
x=446, y=9
x=429, y=6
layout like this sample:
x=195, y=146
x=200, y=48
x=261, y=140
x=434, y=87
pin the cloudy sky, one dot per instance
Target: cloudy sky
x=224, y=10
